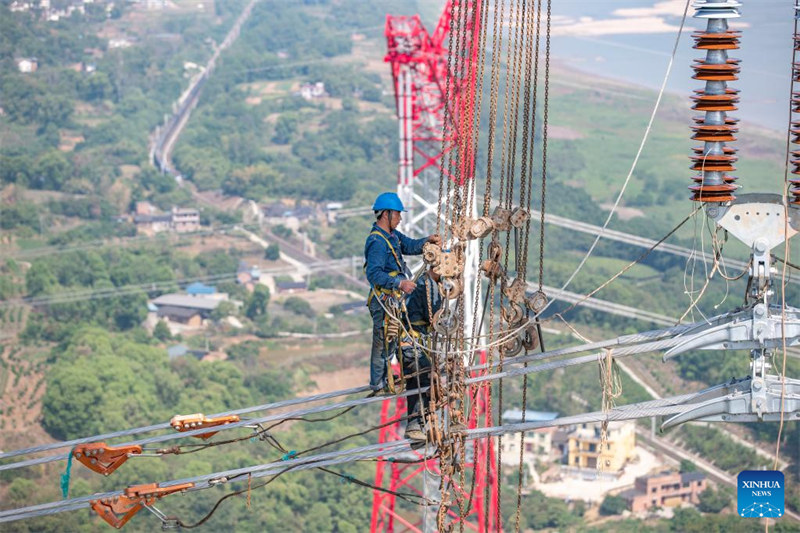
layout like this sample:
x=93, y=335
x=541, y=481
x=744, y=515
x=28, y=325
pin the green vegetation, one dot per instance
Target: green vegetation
x=299, y=306
x=725, y=453
x=612, y=505
x=75, y=156
x=714, y=501
x=272, y=252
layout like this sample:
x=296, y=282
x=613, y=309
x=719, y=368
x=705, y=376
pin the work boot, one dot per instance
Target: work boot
x=385, y=391
x=414, y=430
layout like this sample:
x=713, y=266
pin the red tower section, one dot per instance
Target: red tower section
x=436, y=110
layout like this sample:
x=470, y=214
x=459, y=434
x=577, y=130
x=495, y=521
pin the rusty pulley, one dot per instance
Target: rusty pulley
x=450, y=288
x=530, y=337
x=445, y=322
x=536, y=302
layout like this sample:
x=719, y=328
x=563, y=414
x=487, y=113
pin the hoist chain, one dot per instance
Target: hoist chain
x=524, y=175
x=544, y=145
x=447, y=114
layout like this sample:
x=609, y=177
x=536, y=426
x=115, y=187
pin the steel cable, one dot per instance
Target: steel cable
x=624, y=345
x=661, y=407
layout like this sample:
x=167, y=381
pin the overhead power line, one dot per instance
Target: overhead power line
x=623, y=346
x=648, y=409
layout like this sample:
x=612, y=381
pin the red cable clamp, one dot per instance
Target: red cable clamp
x=199, y=420
x=103, y=459
x=118, y=510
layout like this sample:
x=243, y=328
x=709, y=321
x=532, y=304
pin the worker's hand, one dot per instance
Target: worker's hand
x=407, y=286
x=435, y=239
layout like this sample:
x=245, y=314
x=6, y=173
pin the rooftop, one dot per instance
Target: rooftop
x=183, y=300
x=177, y=312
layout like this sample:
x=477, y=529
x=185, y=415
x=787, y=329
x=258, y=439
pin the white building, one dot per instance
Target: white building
x=309, y=91
x=185, y=220
x=27, y=65
x=538, y=445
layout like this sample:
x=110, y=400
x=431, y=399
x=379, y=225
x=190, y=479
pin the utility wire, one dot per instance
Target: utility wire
x=657, y=343
x=660, y=407
x=645, y=137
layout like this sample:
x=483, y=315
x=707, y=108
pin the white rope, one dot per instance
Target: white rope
x=635, y=159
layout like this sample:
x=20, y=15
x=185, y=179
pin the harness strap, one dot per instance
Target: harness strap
x=394, y=273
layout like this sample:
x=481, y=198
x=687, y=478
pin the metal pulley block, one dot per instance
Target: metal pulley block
x=501, y=218
x=512, y=346
x=461, y=229
x=512, y=313
x=431, y=253
x=495, y=251
x=450, y=288
x=481, y=228
x=530, y=337
x=491, y=266
x=516, y=291
x=519, y=217
x=536, y=302
x=444, y=322
x=491, y=269
x=451, y=262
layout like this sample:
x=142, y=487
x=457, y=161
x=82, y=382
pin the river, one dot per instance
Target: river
x=632, y=40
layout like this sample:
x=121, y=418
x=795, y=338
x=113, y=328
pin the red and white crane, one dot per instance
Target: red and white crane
x=435, y=109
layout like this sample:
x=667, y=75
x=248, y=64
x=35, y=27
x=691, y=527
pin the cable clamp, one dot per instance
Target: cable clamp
x=104, y=459
x=290, y=455
x=117, y=510
x=184, y=423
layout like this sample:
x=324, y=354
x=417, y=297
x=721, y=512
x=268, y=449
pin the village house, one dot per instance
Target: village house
x=586, y=449
x=538, y=442
x=286, y=215
x=310, y=91
x=185, y=220
x=666, y=489
x=187, y=309
x=19, y=7
x=27, y=65
x=149, y=220
x=291, y=287
x=247, y=276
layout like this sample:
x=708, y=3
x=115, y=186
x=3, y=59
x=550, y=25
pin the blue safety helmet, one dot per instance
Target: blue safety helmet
x=388, y=200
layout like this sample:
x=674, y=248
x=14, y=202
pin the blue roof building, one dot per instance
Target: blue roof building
x=196, y=289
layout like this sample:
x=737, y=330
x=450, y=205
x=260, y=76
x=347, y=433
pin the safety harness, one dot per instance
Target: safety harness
x=393, y=300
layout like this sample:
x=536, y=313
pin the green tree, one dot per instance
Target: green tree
x=96, y=86
x=40, y=279
x=257, y=305
x=161, y=331
x=714, y=501
x=685, y=518
x=687, y=466
x=50, y=171
x=224, y=310
x=285, y=128
x=318, y=518
x=273, y=252
x=299, y=306
x=612, y=505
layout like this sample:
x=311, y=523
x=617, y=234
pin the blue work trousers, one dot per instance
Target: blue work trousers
x=378, y=360
x=417, y=369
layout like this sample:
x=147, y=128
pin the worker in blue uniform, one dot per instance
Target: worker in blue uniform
x=420, y=306
x=389, y=278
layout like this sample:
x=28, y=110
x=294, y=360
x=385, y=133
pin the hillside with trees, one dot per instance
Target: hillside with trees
x=77, y=273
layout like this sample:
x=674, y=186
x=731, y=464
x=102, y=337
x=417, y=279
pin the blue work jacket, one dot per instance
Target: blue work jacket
x=380, y=262
x=417, y=303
